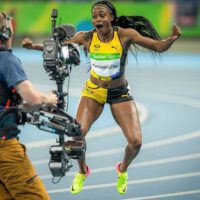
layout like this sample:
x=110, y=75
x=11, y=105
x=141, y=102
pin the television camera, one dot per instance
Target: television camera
x=57, y=61
x=58, y=58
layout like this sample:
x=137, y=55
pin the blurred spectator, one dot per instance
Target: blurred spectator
x=186, y=12
x=12, y=13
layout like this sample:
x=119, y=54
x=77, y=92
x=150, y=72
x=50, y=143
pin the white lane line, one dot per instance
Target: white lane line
x=177, y=139
x=92, y=135
x=116, y=130
x=172, y=140
x=172, y=99
x=134, y=182
x=137, y=165
x=182, y=138
x=175, y=194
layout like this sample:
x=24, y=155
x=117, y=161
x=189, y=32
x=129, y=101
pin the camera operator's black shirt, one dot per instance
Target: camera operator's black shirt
x=11, y=70
x=11, y=73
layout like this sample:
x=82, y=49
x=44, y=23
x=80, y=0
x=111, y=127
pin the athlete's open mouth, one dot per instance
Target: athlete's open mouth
x=99, y=26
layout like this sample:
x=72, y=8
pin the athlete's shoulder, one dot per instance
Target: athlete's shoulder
x=126, y=30
x=127, y=33
x=88, y=35
x=82, y=37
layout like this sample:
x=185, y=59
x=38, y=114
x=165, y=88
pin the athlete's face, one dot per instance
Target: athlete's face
x=101, y=19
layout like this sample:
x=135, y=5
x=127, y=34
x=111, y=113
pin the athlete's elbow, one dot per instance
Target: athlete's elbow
x=159, y=49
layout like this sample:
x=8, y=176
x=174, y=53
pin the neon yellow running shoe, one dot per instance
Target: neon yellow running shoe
x=122, y=180
x=78, y=181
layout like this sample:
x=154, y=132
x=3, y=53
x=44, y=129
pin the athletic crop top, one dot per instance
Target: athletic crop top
x=107, y=59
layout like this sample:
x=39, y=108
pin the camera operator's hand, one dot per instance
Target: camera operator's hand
x=52, y=99
x=28, y=44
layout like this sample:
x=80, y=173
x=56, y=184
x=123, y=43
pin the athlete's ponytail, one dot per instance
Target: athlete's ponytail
x=140, y=24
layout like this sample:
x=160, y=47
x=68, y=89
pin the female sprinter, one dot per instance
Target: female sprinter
x=108, y=44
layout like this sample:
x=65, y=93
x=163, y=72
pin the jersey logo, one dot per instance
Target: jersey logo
x=114, y=47
x=96, y=46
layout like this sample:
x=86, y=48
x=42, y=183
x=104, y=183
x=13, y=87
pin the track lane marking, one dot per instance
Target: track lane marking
x=137, y=165
x=173, y=140
x=175, y=194
x=134, y=182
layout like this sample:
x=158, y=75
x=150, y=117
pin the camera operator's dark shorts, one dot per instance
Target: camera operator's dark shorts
x=103, y=95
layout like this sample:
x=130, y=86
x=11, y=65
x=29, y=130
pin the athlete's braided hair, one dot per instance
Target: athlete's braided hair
x=139, y=23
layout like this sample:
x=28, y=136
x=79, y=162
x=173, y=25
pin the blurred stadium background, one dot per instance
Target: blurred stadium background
x=32, y=18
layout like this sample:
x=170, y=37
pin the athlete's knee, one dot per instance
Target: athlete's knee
x=135, y=143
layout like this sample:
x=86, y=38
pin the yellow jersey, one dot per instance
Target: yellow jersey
x=107, y=59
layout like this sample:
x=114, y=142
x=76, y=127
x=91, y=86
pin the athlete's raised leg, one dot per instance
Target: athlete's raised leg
x=126, y=116
x=88, y=112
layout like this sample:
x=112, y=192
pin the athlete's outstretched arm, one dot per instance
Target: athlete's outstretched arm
x=28, y=44
x=155, y=45
x=79, y=38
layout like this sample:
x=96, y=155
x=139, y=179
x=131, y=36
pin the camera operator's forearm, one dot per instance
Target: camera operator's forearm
x=37, y=102
x=42, y=102
x=27, y=108
x=33, y=97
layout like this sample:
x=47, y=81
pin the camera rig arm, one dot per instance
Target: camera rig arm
x=52, y=120
x=55, y=121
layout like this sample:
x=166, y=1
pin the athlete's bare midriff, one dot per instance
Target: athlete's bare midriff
x=109, y=84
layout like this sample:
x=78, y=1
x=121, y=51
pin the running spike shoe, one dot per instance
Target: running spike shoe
x=77, y=184
x=122, y=180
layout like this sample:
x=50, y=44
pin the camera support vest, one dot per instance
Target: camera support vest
x=8, y=99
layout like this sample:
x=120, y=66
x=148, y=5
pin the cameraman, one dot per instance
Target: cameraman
x=18, y=179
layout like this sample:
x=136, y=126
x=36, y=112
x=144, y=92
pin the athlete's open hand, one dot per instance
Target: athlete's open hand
x=27, y=43
x=176, y=33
